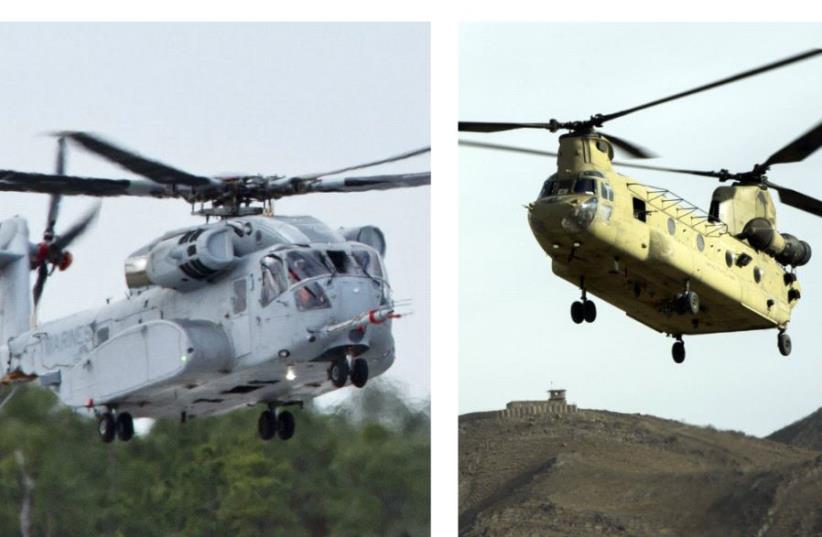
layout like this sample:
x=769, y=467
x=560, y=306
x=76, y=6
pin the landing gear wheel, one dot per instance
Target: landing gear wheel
x=106, y=427
x=359, y=373
x=589, y=311
x=338, y=372
x=285, y=425
x=124, y=426
x=783, y=341
x=678, y=351
x=267, y=425
x=577, y=312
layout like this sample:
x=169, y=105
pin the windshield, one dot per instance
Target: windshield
x=558, y=187
x=304, y=264
x=342, y=263
x=368, y=261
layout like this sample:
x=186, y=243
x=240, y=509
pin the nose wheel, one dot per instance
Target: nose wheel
x=359, y=372
x=583, y=310
x=340, y=372
x=678, y=350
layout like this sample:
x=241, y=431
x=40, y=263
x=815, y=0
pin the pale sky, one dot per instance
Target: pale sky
x=516, y=335
x=214, y=98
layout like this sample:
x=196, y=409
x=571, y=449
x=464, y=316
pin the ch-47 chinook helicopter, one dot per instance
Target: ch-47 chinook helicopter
x=660, y=259
x=251, y=308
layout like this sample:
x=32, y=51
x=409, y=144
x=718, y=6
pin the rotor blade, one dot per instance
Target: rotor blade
x=501, y=147
x=156, y=171
x=77, y=229
x=801, y=201
x=722, y=82
x=60, y=167
x=484, y=126
x=395, y=158
x=631, y=148
x=14, y=181
x=42, y=276
x=538, y=152
x=373, y=182
x=799, y=149
x=54, y=201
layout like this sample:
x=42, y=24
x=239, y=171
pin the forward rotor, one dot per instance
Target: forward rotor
x=795, y=151
x=598, y=120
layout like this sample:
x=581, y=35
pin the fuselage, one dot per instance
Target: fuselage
x=637, y=247
x=296, y=297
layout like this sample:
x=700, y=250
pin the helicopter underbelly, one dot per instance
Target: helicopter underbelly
x=645, y=289
x=249, y=384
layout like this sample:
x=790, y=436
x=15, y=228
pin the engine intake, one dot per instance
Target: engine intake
x=184, y=262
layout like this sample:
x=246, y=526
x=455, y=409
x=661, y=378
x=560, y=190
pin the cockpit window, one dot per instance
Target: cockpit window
x=585, y=185
x=368, y=261
x=310, y=296
x=558, y=187
x=274, y=282
x=305, y=264
x=342, y=263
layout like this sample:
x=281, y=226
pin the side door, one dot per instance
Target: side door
x=239, y=324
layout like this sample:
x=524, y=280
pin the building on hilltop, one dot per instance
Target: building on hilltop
x=556, y=404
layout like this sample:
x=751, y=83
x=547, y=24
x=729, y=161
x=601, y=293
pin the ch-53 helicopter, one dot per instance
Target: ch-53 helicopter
x=662, y=260
x=251, y=308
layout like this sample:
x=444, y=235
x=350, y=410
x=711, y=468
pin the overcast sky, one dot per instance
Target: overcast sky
x=516, y=335
x=214, y=98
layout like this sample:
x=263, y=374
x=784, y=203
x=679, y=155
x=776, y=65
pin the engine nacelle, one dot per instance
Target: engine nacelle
x=783, y=247
x=368, y=235
x=185, y=262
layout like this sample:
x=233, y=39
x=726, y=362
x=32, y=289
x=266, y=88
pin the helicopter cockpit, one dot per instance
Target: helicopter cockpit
x=584, y=183
x=303, y=269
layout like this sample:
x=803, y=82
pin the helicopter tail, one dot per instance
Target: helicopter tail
x=15, y=295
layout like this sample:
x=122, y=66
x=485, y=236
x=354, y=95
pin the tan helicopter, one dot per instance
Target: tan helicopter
x=662, y=260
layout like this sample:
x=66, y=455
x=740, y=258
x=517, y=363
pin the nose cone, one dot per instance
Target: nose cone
x=554, y=220
x=546, y=214
x=354, y=296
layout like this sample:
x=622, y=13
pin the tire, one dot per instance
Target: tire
x=267, y=425
x=106, y=428
x=285, y=425
x=124, y=426
x=338, y=373
x=359, y=373
x=783, y=341
x=678, y=352
x=577, y=312
x=589, y=311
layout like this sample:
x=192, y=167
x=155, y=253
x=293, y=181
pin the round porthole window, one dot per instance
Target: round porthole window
x=757, y=274
x=729, y=258
x=602, y=146
x=700, y=242
x=671, y=226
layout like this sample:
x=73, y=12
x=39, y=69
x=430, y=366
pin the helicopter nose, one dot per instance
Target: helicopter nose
x=547, y=214
x=355, y=296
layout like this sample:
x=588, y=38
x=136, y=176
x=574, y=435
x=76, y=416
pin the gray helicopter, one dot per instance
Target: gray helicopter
x=247, y=309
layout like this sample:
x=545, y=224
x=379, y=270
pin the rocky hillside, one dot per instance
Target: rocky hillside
x=806, y=433
x=603, y=473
